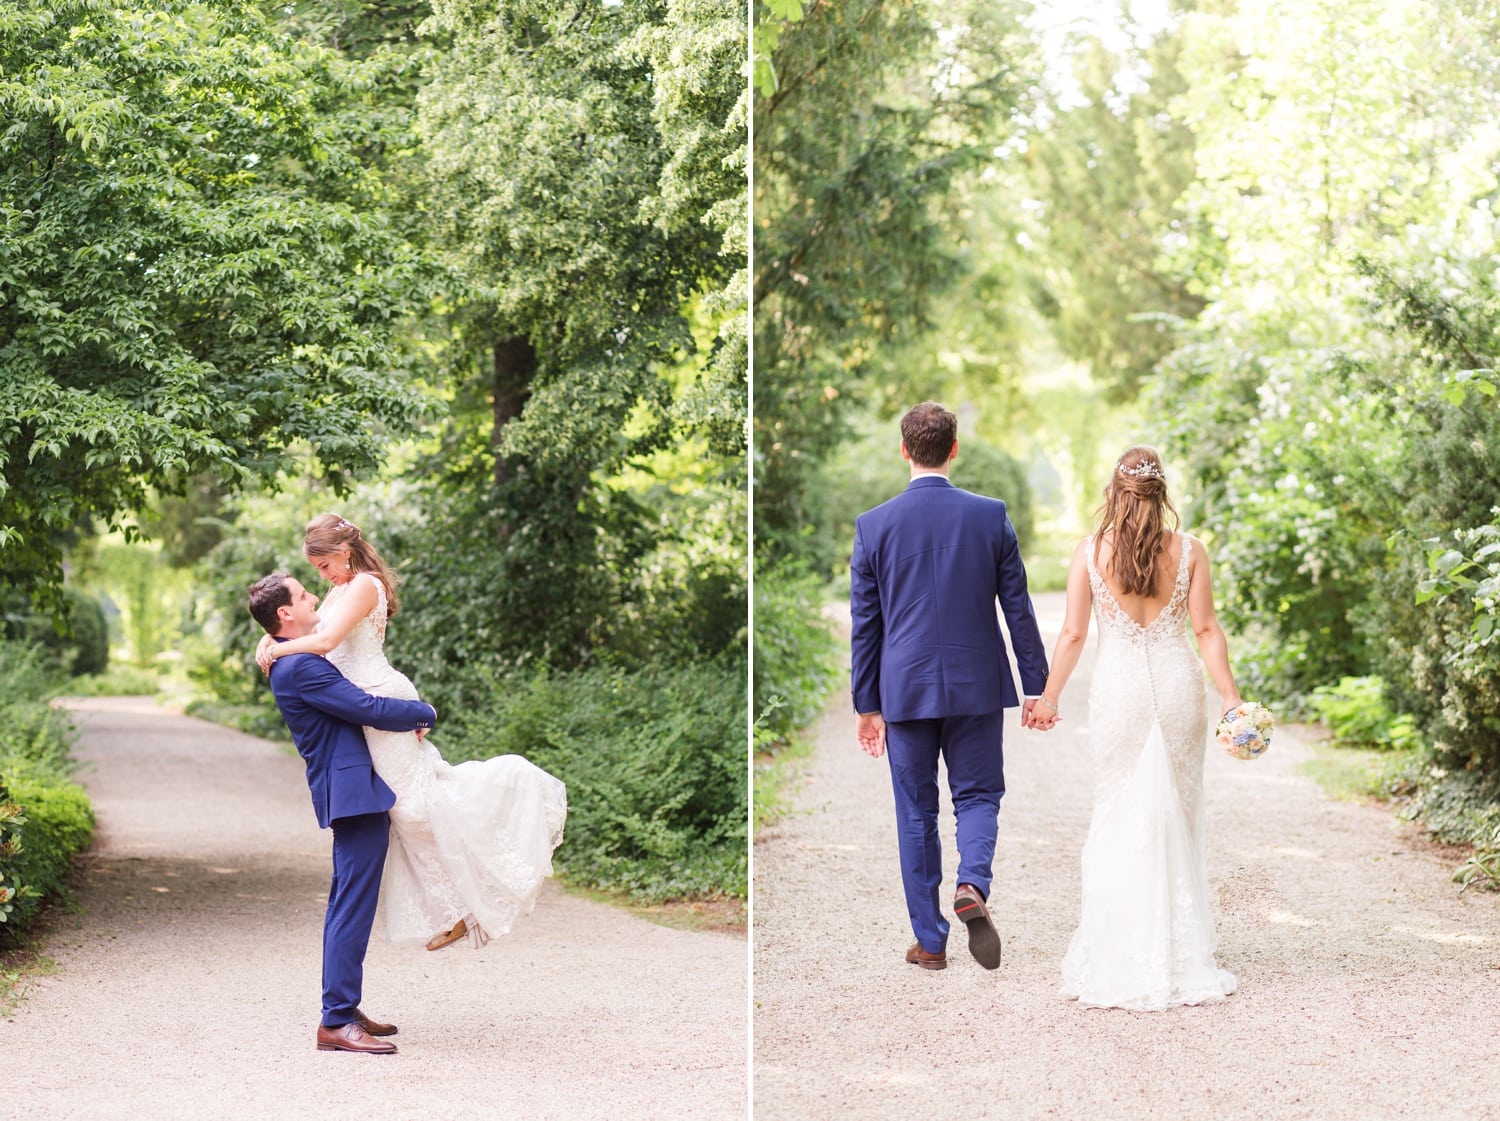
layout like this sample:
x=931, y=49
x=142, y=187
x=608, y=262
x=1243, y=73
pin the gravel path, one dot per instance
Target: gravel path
x=187, y=986
x=1369, y=988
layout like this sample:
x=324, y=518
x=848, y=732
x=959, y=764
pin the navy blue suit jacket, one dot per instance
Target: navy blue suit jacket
x=326, y=714
x=926, y=571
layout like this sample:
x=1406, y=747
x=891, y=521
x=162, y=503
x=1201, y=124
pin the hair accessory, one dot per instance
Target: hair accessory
x=348, y=525
x=1145, y=469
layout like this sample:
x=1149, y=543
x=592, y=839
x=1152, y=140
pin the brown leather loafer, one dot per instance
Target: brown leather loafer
x=918, y=956
x=984, y=939
x=373, y=1027
x=352, y=1037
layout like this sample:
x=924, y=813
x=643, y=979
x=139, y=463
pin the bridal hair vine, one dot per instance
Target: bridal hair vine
x=1146, y=469
x=348, y=525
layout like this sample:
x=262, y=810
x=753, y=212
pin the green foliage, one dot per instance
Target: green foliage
x=797, y=652
x=1456, y=807
x=1107, y=175
x=45, y=818
x=1356, y=712
x=149, y=597
x=12, y=889
x=125, y=681
x=196, y=275
x=56, y=824
x=1482, y=868
x=867, y=469
x=75, y=643
x=593, y=219
x=654, y=761
x=1333, y=400
x=875, y=113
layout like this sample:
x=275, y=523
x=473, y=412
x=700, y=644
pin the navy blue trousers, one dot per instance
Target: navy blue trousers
x=972, y=748
x=359, y=845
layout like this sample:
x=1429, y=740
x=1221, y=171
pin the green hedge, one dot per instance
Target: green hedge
x=45, y=817
x=797, y=653
x=655, y=763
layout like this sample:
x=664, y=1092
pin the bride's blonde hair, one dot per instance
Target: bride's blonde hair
x=1135, y=509
x=328, y=533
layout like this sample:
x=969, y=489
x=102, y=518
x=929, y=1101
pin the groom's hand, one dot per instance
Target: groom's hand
x=869, y=729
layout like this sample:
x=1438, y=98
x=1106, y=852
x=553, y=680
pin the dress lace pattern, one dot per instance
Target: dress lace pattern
x=1145, y=939
x=472, y=841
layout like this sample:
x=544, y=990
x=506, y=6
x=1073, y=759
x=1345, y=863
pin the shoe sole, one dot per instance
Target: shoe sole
x=355, y=1050
x=984, y=939
x=445, y=939
x=920, y=964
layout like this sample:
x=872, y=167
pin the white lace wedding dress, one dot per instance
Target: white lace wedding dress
x=472, y=841
x=1145, y=939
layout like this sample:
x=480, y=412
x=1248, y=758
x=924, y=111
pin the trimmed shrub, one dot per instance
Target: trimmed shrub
x=45, y=818
x=50, y=822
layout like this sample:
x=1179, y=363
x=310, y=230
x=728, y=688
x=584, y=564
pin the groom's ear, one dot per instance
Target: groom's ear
x=906, y=455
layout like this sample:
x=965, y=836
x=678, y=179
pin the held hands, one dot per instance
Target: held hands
x=869, y=729
x=1040, y=713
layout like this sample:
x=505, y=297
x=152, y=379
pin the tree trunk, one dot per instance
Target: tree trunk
x=515, y=365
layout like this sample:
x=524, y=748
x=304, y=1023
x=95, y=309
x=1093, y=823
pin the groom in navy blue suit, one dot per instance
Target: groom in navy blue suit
x=325, y=713
x=930, y=673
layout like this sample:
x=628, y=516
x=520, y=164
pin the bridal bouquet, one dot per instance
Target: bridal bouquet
x=1245, y=730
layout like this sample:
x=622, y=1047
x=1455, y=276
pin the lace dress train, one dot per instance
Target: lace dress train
x=1145, y=939
x=472, y=841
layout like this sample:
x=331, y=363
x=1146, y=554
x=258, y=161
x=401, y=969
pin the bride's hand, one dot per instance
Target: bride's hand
x=263, y=656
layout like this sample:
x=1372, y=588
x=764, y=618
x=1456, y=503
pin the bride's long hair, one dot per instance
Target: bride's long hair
x=1135, y=509
x=327, y=533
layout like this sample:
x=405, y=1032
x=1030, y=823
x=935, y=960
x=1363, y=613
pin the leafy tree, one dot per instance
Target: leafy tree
x=868, y=114
x=586, y=184
x=195, y=276
x=1108, y=163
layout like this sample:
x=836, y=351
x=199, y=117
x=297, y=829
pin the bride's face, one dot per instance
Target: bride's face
x=333, y=567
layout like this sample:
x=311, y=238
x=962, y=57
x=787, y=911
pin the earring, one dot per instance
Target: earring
x=348, y=565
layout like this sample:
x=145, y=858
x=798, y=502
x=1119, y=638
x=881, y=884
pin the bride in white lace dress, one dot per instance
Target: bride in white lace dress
x=1145, y=939
x=469, y=844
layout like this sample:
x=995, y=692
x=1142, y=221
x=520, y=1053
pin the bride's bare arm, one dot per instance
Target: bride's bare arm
x=1213, y=648
x=1070, y=640
x=353, y=606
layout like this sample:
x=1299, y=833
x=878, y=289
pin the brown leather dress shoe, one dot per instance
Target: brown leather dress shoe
x=373, y=1027
x=984, y=939
x=352, y=1037
x=918, y=956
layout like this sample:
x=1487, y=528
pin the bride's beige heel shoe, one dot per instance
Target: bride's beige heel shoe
x=448, y=937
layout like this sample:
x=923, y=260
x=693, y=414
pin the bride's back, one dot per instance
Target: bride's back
x=1142, y=609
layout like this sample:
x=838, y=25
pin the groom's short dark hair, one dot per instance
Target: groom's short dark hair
x=267, y=595
x=928, y=431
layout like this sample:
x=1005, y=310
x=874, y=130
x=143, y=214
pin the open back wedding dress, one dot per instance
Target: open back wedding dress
x=1145, y=939
x=472, y=841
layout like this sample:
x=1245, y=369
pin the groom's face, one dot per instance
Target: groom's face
x=301, y=617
